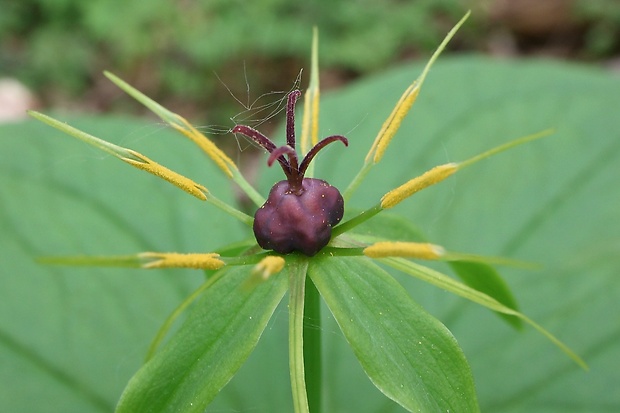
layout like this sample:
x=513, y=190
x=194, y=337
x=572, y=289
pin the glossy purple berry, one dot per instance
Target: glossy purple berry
x=299, y=212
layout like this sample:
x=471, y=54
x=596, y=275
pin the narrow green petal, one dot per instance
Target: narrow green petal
x=128, y=156
x=120, y=261
x=356, y=220
x=398, y=114
x=406, y=101
x=144, y=163
x=474, y=270
x=146, y=260
x=112, y=149
x=508, y=145
x=155, y=107
x=180, y=124
x=449, y=284
x=167, y=325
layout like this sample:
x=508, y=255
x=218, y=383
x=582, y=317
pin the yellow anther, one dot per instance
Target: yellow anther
x=216, y=154
x=310, y=121
x=128, y=155
x=175, y=260
x=268, y=266
x=392, y=123
x=428, y=178
x=315, y=116
x=178, y=123
x=142, y=162
x=420, y=250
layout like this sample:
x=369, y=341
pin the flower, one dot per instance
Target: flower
x=300, y=212
x=299, y=232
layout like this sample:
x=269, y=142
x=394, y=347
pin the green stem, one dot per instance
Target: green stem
x=506, y=146
x=246, y=219
x=297, y=282
x=249, y=190
x=357, y=181
x=312, y=346
x=357, y=220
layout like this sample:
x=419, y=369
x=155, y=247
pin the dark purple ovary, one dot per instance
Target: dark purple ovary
x=300, y=212
x=299, y=221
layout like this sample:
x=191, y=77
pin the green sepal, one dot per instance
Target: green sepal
x=219, y=334
x=408, y=354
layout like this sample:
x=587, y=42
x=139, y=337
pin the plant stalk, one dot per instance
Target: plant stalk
x=312, y=347
x=297, y=281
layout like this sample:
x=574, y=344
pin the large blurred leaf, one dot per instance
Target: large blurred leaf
x=75, y=336
x=70, y=338
x=553, y=202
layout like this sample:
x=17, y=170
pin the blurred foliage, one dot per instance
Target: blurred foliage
x=603, y=37
x=175, y=50
x=174, y=46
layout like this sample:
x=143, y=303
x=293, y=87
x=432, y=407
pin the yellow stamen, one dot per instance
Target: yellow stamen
x=428, y=178
x=179, y=123
x=128, y=155
x=216, y=154
x=142, y=162
x=310, y=122
x=175, y=260
x=268, y=266
x=315, y=116
x=420, y=250
x=392, y=123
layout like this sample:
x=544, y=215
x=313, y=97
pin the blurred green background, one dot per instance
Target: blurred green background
x=175, y=50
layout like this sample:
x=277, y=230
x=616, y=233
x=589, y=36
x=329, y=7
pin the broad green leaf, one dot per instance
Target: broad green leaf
x=75, y=336
x=552, y=202
x=407, y=353
x=478, y=275
x=219, y=334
